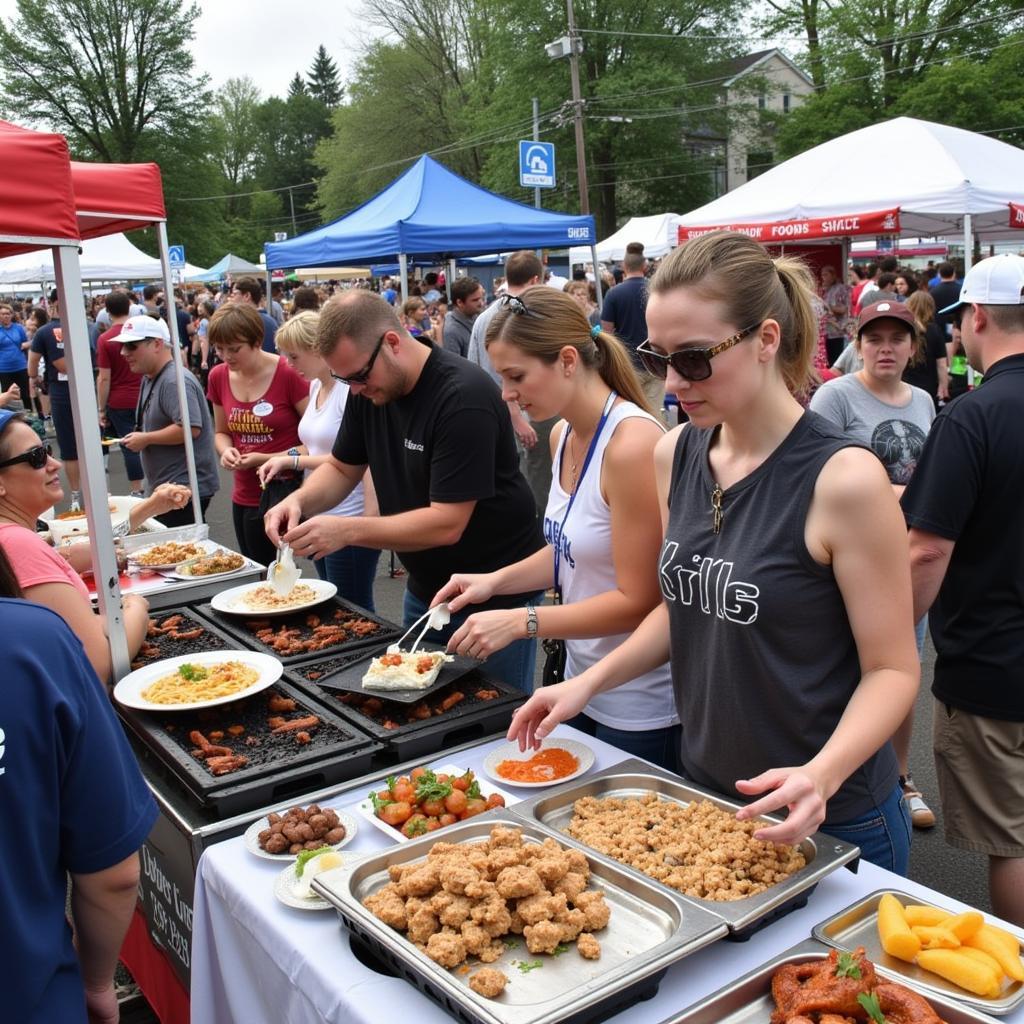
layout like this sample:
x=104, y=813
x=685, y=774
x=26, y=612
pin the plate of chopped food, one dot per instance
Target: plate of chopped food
x=168, y=555
x=292, y=886
x=216, y=563
x=280, y=836
x=262, y=599
x=556, y=762
x=199, y=680
x=404, y=807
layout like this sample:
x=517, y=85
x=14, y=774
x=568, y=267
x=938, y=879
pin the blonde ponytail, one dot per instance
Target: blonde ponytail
x=615, y=365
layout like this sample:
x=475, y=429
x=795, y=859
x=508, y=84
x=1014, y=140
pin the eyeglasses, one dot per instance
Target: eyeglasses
x=689, y=363
x=35, y=457
x=131, y=346
x=363, y=375
x=517, y=306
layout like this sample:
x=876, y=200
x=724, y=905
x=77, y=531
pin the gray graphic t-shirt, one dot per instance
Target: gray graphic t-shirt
x=895, y=433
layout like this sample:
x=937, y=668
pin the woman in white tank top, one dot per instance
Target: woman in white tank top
x=602, y=524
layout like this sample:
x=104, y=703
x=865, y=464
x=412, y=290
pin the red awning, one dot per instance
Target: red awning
x=37, y=206
x=116, y=197
x=880, y=222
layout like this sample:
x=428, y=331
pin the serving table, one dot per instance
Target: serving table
x=255, y=960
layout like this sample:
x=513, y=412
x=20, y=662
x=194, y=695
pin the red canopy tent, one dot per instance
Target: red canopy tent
x=117, y=197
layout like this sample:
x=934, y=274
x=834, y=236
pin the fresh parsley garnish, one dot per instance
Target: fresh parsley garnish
x=391, y=780
x=428, y=788
x=525, y=966
x=473, y=793
x=378, y=803
x=416, y=827
x=847, y=967
x=870, y=1003
x=559, y=950
x=193, y=673
x=511, y=943
x=305, y=856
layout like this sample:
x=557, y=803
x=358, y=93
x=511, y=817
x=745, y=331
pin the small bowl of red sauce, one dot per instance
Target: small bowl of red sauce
x=555, y=762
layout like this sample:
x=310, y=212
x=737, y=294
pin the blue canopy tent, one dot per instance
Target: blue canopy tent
x=229, y=264
x=430, y=211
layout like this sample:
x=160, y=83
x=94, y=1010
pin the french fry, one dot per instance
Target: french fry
x=983, y=958
x=896, y=937
x=1008, y=939
x=988, y=942
x=969, y=974
x=964, y=925
x=935, y=936
x=917, y=913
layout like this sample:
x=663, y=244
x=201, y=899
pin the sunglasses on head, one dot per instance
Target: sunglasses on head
x=517, y=306
x=35, y=457
x=364, y=374
x=689, y=363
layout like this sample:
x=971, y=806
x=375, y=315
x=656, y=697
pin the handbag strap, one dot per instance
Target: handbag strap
x=583, y=472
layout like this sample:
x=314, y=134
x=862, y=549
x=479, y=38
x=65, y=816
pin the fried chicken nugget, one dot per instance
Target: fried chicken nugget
x=475, y=938
x=542, y=937
x=514, y=882
x=389, y=907
x=488, y=982
x=597, y=911
x=495, y=951
x=551, y=868
x=588, y=947
x=501, y=858
x=455, y=912
x=420, y=881
x=446, y=949
x=482, y=890
x=571, y=883
x=578, y=863
x=423, y=925
x=518, y=924
x=455, y=876
x=502, y=836
x=572, y=922
x=493, y=916
x=542, y=906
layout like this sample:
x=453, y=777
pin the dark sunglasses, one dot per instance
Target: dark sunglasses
x=35, y=457
x=517, y=306
x=364, y=374
x=689, y=363
x=131, y=346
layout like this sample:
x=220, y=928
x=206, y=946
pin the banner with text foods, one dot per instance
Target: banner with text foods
x=880, y=222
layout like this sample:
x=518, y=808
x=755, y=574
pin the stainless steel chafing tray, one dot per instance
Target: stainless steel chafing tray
x=748, y=1000
x=634, y=778
x=857, y=925
x=650, y=929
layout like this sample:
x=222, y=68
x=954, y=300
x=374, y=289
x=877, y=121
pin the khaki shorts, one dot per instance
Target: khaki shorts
x=980, y=767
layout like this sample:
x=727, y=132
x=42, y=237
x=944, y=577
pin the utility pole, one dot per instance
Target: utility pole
x=536, y=138
x=291, y=200
x=577, y=108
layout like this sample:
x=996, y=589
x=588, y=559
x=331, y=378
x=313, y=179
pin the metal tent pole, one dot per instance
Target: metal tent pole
x=597, y=278
x=448, y=278
x=75, y=333
x=968, y=258
x=403, y=271
x=179, y=370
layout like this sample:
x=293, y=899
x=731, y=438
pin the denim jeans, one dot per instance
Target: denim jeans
x=123, y=422
x=514, y=664
x=883, y=833
x=352, y=571
x=659, y=746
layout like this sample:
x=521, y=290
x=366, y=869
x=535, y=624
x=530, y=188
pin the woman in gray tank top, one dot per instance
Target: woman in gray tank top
x=784, y=572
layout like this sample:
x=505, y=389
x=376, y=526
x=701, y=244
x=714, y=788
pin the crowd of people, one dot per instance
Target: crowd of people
x=741, y=596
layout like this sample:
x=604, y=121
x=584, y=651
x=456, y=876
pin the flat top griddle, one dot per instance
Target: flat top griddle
x=350, y=678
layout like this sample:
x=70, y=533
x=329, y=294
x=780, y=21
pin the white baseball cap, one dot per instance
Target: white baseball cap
x=144, y=328
x=996, y=281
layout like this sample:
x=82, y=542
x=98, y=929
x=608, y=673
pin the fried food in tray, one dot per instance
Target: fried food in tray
x=465, y=899
x=307, y=633
x=697, y=849
x=843, y=988
x=214, y=564
x=178, y=633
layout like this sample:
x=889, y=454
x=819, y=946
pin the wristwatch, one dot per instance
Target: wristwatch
x=531, y=622
x=294, y=453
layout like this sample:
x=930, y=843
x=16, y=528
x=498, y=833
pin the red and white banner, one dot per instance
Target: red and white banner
x=881, y=222
x=1017, y=215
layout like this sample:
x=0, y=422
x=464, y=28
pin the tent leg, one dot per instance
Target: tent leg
x=179, y=371
x=87, y=438
x=968, y=259
x=448, y=278
x=597, y=277
x=403, y=271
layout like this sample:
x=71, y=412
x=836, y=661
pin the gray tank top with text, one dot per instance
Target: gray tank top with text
x=763, y=658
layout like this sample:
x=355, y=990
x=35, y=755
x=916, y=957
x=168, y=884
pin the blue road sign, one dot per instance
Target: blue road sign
x=176, y=256
x=536, y=164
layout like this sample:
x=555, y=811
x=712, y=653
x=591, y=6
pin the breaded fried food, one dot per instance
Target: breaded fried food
x=388, y=906
x=455, y=876
x=594, y=907
x=543, y=937
x=514, y=882
x=588, y=947
x=502, y=836
x=446, y=949
x=542, y=906
x=572, y=883
x=572, y=922
x=475, y=938
x=488, y=982
x=423, y=925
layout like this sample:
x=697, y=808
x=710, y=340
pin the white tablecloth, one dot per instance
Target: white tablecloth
x=255, y=960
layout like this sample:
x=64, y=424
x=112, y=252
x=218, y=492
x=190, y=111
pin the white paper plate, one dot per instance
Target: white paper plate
x=129, y=690
x=365, y=808
x=284, y=890
x=206, y=545
x=175, y=575
x=252, y=843
x=232, y=601
x=511, y=752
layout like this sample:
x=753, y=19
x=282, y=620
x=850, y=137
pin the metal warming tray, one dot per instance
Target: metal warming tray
x=407, y=730
x=158, y=645
x=650, y=929
x=333, y=612
x=633, y=778
x=857, y=925
x=748, y=1000
x=278, y=767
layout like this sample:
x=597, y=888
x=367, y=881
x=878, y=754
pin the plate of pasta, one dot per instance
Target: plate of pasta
x=198, y=680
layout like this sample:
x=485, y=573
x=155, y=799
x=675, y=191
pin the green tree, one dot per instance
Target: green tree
x=324, y=83
x=103, y=72
x=297, y=85
x=234, y=133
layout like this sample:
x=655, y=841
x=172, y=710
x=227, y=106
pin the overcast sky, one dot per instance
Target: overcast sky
x=269, y=41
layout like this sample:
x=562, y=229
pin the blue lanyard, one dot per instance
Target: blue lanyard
x=579, y=483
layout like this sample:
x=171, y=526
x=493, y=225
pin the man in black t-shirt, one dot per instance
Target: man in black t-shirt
x=437, y=439
x=963, y=505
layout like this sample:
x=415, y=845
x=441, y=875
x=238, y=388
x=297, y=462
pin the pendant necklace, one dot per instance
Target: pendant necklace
x=716, y=508
x=573, y=469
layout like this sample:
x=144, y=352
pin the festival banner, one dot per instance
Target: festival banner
x=880, y=222
x=1017, y=215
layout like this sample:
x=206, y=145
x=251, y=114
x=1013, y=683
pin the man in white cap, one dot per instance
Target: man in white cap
x=963, y=506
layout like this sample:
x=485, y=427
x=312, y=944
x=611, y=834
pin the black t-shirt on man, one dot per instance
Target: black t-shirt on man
x=449, y=440
x=969, y=488
x=625, y=307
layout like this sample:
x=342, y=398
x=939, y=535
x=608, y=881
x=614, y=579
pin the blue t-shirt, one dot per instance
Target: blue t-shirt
x=48, y=341
x=269, y=330
x=72, y=799
x=625, y=307
x=12, y=359
x=389, y=295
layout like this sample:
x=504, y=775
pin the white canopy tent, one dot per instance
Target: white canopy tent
x=107, y=258
x=657, y=232
x=945, y=181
